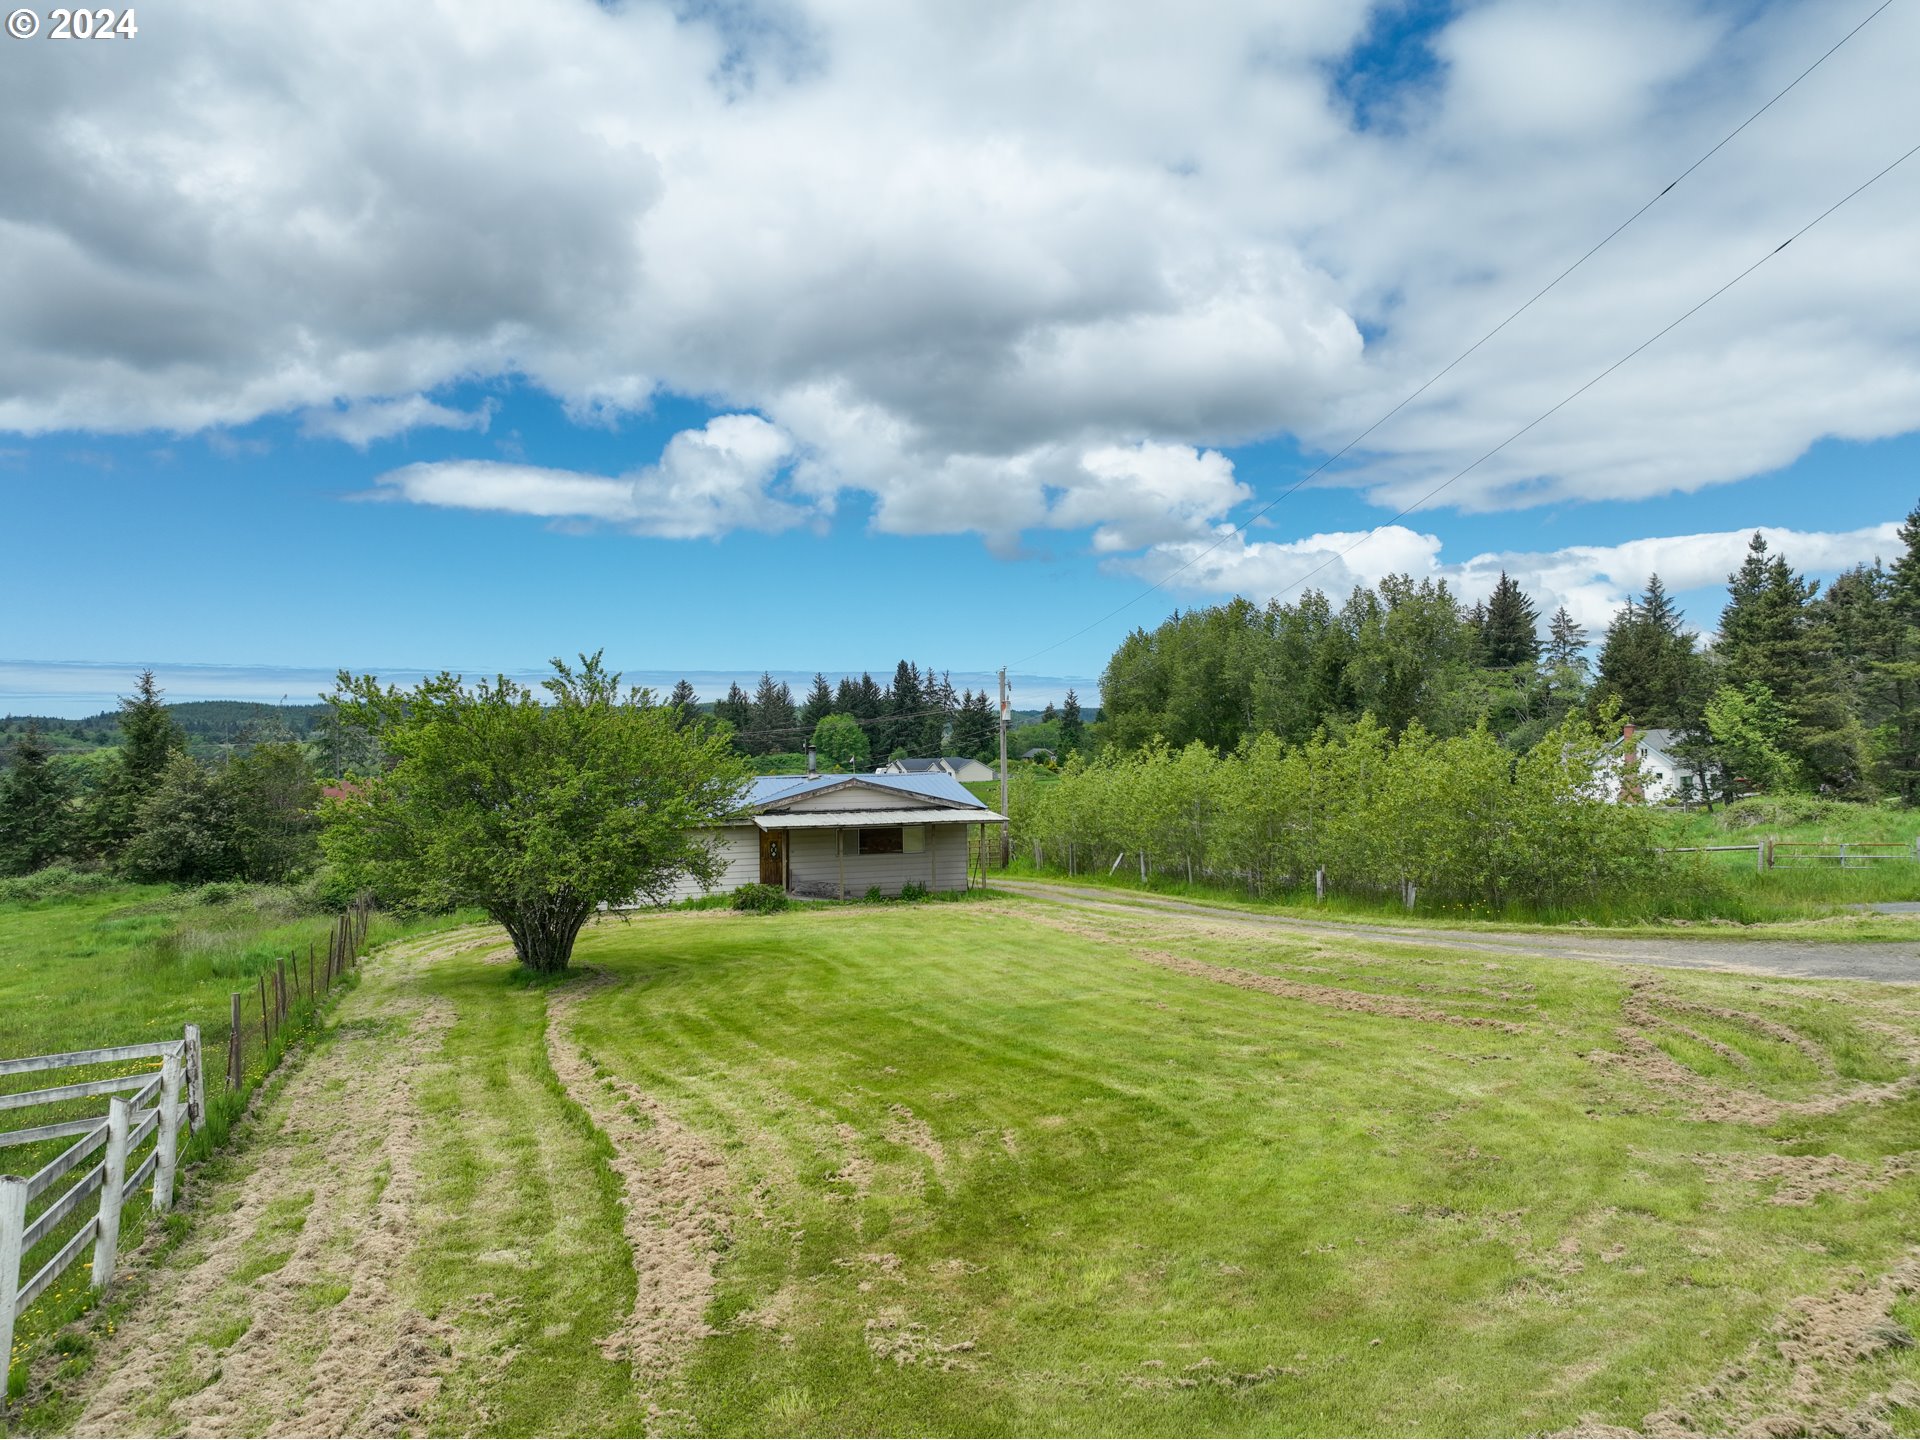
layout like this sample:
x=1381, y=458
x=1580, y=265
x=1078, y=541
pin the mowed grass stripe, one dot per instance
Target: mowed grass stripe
x=1145, y=1172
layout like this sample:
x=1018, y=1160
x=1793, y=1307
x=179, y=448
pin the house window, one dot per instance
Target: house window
x=913, y=839
x=882, y=840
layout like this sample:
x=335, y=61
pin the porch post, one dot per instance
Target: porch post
x=840, y=851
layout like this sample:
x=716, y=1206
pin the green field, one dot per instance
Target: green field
x=994, y=1167
x=126, y=964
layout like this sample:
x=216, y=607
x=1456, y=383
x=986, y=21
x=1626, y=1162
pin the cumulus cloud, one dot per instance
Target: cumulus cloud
x=707, y=482
x=367, y=421
x=955, y=257
x=1592, y=581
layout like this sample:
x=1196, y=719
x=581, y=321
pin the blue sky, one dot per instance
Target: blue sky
x=717, y=404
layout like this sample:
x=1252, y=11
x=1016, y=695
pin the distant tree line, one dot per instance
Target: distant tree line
x=1801, y=688
x=858, y=723
x=151, y=811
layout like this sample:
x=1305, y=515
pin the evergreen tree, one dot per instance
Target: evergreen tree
x=185, y=830
x=870, y=701
x=684, y=703
x=771, y=728
x=1898, y=667
x=1566, y=642
x=846, y=697
x=973, y=726
x=36, y=808
x=1072, y=730
x=819, y=703
x=149, y=741
x=904, y=703
x=1509, y=632
x=1772, y=636
x=936, y=700
x=1648, y=664
x=737, y=710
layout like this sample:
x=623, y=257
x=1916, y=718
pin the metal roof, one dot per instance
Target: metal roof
x=856, y=819
x=765, y=790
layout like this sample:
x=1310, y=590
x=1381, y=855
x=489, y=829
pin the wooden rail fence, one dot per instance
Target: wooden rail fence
x=142, y=1106
x=1847, y=854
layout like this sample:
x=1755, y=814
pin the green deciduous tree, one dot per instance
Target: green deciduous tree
x=534, y=811
x=840, y=740
x=1751, y=733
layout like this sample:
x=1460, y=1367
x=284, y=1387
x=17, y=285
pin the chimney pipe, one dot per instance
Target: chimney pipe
x=813, y=767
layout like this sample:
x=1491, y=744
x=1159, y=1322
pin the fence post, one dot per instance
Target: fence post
x=236, y=1071
x=167, y=1146
x=1320, y=882
x=266, y=1021
x=196, y=1076
x=106, y=1243
x=312, y=993
x=13, y=1225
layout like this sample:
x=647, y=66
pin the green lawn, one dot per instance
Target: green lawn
x=1146, y=1201
x=992, y=1167
x=126, y=965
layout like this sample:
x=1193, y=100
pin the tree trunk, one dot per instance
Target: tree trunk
x=544, y=929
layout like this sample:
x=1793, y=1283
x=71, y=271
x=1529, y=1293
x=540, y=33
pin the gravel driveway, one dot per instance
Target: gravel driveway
x=1898, y=963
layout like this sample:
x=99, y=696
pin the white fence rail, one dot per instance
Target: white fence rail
x=148, y=1105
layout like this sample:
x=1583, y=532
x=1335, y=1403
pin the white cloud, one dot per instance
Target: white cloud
x=362, y=423
x=707, y=482
x=954, y=257
x=1592, y=581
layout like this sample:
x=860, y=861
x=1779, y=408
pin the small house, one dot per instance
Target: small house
x=835, y=837
x=1650, y=766
x=958, y=766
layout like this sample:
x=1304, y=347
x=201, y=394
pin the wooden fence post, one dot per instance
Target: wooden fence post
x=312, y=993
x=1320, y=882
x=167, y=1146
x=13, y=1225
x=236, y=1071
x=196, y=1077
x=106, y=1242
x=266, y=1019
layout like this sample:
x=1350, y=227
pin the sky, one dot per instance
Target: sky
x=800, y=335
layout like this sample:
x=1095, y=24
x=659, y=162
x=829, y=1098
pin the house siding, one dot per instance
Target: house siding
x=739, y=847
x=816, y=864
x=862, y=797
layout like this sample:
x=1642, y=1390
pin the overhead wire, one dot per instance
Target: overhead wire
x=1581, y=390
x=1240, y=528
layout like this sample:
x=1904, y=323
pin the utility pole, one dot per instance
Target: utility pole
x=1006, y=831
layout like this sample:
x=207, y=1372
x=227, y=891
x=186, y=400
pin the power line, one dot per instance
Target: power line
x=1574, y=395
x=1241, y=527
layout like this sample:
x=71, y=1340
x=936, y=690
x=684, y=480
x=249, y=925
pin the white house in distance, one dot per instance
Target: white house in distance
x=834, y=837
x=958, y=766
x=1658, y=769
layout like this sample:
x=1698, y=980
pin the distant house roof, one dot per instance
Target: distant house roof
x=1037, y=750
x=1660, y=739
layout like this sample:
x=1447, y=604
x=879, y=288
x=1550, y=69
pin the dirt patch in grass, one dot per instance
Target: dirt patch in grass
x=907, y=1129
x=673, y=1183
x=1802, y=1179
x=1357, y=1001
x=1804, y=1377
x=1711, y=1100
x=324, y=1343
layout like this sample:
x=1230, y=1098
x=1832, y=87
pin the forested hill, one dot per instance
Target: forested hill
x=208, y=725
x=1798, y=687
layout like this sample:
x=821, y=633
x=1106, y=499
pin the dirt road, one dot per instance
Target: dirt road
x=1802, y=959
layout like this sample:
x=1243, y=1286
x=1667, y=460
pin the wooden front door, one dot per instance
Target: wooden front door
x=773, y=858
